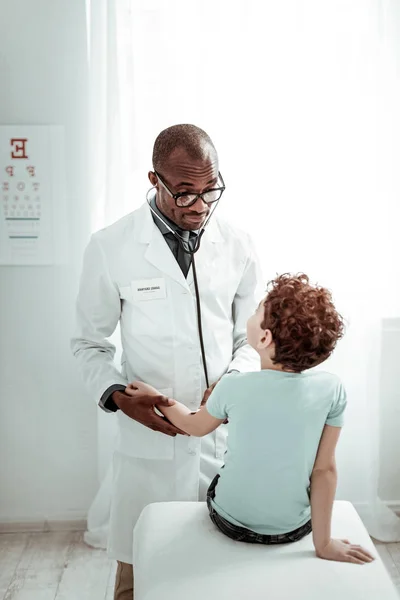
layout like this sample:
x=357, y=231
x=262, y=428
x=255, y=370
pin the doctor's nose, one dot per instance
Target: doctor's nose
x=199, y=206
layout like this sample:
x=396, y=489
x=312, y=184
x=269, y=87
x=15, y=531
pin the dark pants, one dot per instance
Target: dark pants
x=242, y=534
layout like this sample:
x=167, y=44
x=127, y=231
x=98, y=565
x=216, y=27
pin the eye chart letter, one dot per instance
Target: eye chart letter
x=32, y=195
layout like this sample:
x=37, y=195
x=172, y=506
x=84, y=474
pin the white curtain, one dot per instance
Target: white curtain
x=301, y=99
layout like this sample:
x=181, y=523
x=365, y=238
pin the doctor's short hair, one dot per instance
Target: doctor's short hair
x=194, y=140
x=303, y=320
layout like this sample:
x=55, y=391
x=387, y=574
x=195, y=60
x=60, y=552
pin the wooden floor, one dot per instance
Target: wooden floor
x=59, y=566
x=54, y=565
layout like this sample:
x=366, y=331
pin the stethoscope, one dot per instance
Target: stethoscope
x=185, y=245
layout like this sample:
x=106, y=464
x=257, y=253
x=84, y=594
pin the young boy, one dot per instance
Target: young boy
x=278, y=482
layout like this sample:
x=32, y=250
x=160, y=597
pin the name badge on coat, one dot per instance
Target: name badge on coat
x=148, y=289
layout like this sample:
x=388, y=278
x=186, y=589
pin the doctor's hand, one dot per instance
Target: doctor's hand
x=138, y=403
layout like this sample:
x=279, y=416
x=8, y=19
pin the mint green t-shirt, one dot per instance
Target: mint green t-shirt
x=275, y=424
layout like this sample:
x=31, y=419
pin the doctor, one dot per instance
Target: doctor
x=182, y=283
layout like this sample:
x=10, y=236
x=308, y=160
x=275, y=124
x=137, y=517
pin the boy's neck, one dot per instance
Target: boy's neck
x=268, y=365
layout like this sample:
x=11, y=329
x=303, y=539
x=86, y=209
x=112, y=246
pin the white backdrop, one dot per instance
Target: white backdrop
x=300, y=98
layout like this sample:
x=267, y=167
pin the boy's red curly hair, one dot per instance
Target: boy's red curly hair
x=303, y=321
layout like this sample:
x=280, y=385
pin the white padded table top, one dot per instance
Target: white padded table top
x=180, y=555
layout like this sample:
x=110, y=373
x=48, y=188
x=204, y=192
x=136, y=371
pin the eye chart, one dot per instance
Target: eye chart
x=32, y=195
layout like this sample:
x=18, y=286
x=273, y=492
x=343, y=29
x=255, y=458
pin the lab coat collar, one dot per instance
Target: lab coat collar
x=147, y=229
x=162, y=258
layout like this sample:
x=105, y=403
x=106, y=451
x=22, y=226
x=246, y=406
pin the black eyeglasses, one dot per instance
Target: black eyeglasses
x=183, y=199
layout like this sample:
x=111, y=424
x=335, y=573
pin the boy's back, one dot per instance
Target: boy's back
x=285, y=423
x=276, y=420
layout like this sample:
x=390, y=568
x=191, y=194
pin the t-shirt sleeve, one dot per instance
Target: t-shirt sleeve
x=217, y=402
x=336, y=414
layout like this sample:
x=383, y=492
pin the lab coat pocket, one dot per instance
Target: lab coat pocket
x=146, y=313
x=138, y=441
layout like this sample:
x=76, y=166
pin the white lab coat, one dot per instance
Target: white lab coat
x=161, y=347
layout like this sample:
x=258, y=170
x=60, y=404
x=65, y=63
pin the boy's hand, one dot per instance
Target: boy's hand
x=343, y=551
x=208, y=393
x=138, y=403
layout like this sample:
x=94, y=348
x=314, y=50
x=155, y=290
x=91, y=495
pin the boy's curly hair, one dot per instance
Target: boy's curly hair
x=303, y=321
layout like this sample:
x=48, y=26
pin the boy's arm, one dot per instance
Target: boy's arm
x=323, y=487
x=198, y=424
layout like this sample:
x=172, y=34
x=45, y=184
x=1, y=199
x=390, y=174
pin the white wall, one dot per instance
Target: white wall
x=48, y=466
x=390, y=413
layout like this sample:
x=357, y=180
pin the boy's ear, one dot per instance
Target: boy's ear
x=265, y=340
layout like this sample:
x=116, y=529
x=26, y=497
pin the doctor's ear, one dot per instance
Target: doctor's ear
x=153, y=178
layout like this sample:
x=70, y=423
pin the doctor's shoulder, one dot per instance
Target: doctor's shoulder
x=117, y=230
x=110, y=247
x=232, y=234
x=113, y=237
